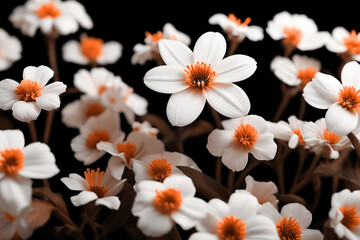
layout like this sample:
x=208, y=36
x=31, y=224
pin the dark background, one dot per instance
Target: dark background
x=127, y=22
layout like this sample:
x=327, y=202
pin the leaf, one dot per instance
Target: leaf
x=54, y=198
x=65, y=231
x=206, y=186
x=291, y=198
x=40, y=213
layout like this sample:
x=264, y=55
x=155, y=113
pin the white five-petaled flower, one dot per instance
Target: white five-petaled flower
x=27, y=98
x=91, y=50
x=203, y=75
x=97, y=185
x=63, y=16
x=234, y=27
x=343, y=41
x=341, y=99
x=345, y=214
x=236, y=219
x=239, y=138
x=10, y=50
x=161, y=204
x=292, y=222
x=145, y=127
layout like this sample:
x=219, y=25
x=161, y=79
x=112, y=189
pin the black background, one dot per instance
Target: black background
x=127, y=22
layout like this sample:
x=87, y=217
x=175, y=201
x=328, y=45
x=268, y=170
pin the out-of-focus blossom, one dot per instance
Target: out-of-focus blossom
x=145, y=127
x=65, y=17
x=292, y=222
x=160, y=205
x=345, y=214
x=97, y=185
x=91, y=50
x=10, y=50
x=159, y=166
x=104, y=127
x=235, y=28
x=239, y=138
x=136, y=145
x=343, y=41
x=34, y=161
x=149, y=50
x=203, y=75
x=27, y=98
x=298, y=71
x=322, y=141
x=341, y=99
x=236, y=219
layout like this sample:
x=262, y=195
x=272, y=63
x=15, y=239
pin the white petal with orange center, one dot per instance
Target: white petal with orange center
x=285, y=70
x=175, y=53
x=348, y=122
x=350, y=74
x=71, y=52
x=49, y=98
x=111, y=52
x=41, y=74
x=299, y=212
x=210, y=48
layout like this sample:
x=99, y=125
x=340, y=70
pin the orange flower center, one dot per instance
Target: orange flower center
x=11, y=161
x=231, y=228
x=102, y=89
x=331, y=137
x=301, y=141
x=48, y=10
x=199, y=75
x=94, y=109
x=91, y=47
x=9, y=217
x=288, y=228
x=306, y=75
x=349, y=98
x=160, y=169
x=352, y=43
x=293, y=35
x=28, y=90
x=246, y=136
x=236, y=20
x=351, y=218
x=155, y=37
x=167, y=201
x=95, y=137
x=93, y=178
x=128, y=149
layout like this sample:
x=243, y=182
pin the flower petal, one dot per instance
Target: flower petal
x=49, y=98
x=235, y=158
x=210, y=48
x=25, y=111
x=8, y=96
x=71, y=52
x=297, y=211
x=175, y=53
x=264, y=148
x=261, y=227
x=116, y=167
x=350, y=74
x=150, y=220
x=75, y=182
x=340, y=121
x=111, y=52
x=11, y=139
x=219, y=141
x=83, y=198
x=111, y=202
x=243, y=205
x=41, y=74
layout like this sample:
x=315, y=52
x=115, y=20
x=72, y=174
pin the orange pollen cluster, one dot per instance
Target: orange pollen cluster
x=231, y=228
x=102, y=89
x=160, y=169
x=94, y=109
x=155, y=37
x=351, y=218
x=233, y=18
x=331, y=137
x=199, y=75
x=11, y=161
x=246, y=136
x=349, y=98
x=128, y=149
x=301, y=141
x=293, y=35
x=91, y=47
x=352, y=43
x=288, y=228
x=93, y=178
x=9, y=217
x=95, y=137
x=28, y=90
x=306, y=75
x=48, y=10
x=167, y=201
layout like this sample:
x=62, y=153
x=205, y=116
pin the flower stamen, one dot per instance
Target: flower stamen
x=351, y=218
x=352, y=43
x=94, y=109
x=199, y=75
x=97, y=136
x=288, y=228
x=306, y=75
x=301, y=141
x=167, y=201
x=231, y=228
x=331, y=137
x=128, y=149
x=91, y=47
x=155, y=37
x=246, y=136
x=11, y=161
x=93, y=178
x=349, y=98
x=237, y=20
x=293, y=35
x=28, y=90
x=48, y=10
x=160, y=169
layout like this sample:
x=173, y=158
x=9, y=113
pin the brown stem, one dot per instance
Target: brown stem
x=303, y=153
x=218, y=170
x=302, y=109
x=287, y=94
x=251, y=165
x=215, y=115
x=355, y=142
x=32, y=130
x=231, y=180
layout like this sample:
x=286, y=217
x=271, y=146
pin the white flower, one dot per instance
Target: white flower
x=345, y=214
x=159, y=166
x=343, y=41
x=150, y=50
x=341, y=99
x=292, y=222
x=239, y=138
x=160, y=205
x=97, y=185
x=10, y=50
x=298, y=71
x=234, y=27
x=322, y=140
x=145, y=127
x=136, y=145
x=104, y=127
x=203, y=75
x=236, y=219
x=34, y=161
x=65, y=17
x=296, y=30
x=91, y=50
x=27, y=98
